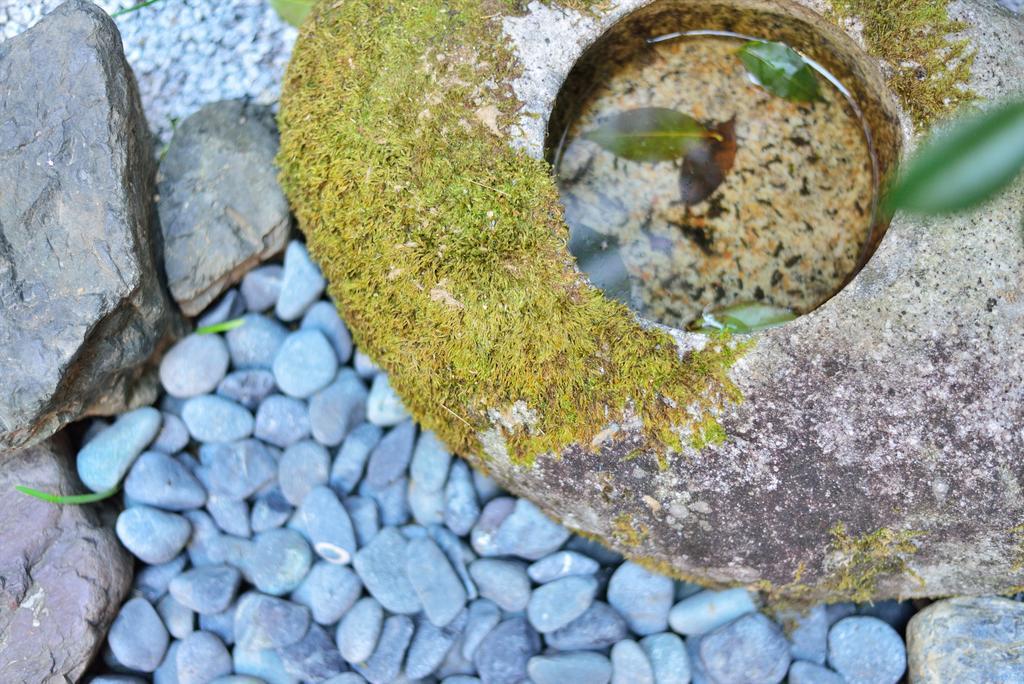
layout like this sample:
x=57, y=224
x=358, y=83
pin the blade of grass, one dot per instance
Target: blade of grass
x=220, y=327
x=71, y=499
x=127, y=10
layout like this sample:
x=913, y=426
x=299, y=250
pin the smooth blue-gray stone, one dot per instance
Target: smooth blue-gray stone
x=808, y=633
x=337, y=408
x=430, y=462
x=168, y=404
x=205, y=534
x=237, y=679
x=270, y=510
x=436, y=585
x=461, y=508
x=803, y=672
x=365, y=518
x=238, y=469
x=837, y=611
x=329, y=591
x=303, y=466
x=247, y=387
x=305, y=364
x=359, y=630
x=430, y=644
x=194, y=365
x=255, y=343
x=581, y=667
x=669, y=660
x=231, y=515
x=697, y=672
x=461, y=679
x=116, y=679
x=458, y=553
x=230, y=306
x=282, y=421
x=383, y=406
x=392, y=502
x=592, y=549
x=201, y=658
x=210, y=418
x=278, y=561
x=484, y=535
x=750, y=649
x=528, y=533
x=159, y=480
x=866, y=650
x=364, y=365
x=107, y=457
x=137, y=637
x=385, y=664
x=503, y=581
x=707, y=610
x=390, y=458
x=167, y=673
x=325, y=523
x=427, y=506
x=347, y=469
x=173, y=435
x=222, y=624
x=301, y=283
x=558, y=603
x=486, y=487
x=153, y=536
x=178, y=619
x=482, y=616
x=263, y=622
x=630, y=664
x=381, y=566
x=643, y=598
x=264, y=664
x=346, y=678
x=597, y=628
x=561, y=564
x=502, y=656
x=323, y=316
x=894, y=613
x=261, y=286
x=206, y=590
x=151, y=581
x=313, y=658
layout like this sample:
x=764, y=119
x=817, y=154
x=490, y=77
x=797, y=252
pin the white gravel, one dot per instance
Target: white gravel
x=187, y=53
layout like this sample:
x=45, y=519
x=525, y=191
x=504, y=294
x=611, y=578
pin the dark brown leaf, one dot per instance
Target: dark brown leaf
x=707, y=163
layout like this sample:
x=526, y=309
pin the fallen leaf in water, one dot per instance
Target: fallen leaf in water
x=649, y=134
x=745, y=317
x=706, y=163
x=780, y=70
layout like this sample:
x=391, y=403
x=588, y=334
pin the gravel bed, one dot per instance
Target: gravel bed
x=292, y=523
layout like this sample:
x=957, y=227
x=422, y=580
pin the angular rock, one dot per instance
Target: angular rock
x=64, y=573
x=81, y=305
x=221, y=209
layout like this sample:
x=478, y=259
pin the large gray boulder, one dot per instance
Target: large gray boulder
x=221, y=209
x=81, y=302
x=63, y=572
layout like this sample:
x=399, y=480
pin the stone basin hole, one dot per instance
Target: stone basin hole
x=775, y=207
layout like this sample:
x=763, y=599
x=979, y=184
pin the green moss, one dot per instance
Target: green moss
x=708, y=432
x=928, y=69
x=446, y=250
x=627, y=533
x=862, y=560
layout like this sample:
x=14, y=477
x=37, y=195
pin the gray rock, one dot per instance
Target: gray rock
x=559, y=668
x=381, y=566
x=325, y=523
x=337, y=408
x=173, y=435
x=556, y=604
x=482, y=616
x=153, y=536
x=313, y=658
x=194, y=365
x=383, y=406
x=278, y=561
x=261, y=287
x=64, y=574
x=178, y=619
x=158, y=480
x=282, y=421
x=328, y=591
x=598, y=628
x=350, y=461
x=669, y=660
x=107, y=457
x=386, y=662
x=138, y=637
x=305, y=363
x=430, y=644
x=642, y=597
x=201, y=658
x=247, y=387
x=561, y=564
x=301, y=284
x=221, y=209
x=438, y=588
x=502, y=656
x=750, y=649
x=359, y=630
x=255, y=343
x=82, y=308
x=207, y=590
x=865, y=650
x=630, y=664
x=966, y=639
x=323, y=316
x=263, y=622
x=461, y=508
x=503, y=581
x=303, y=467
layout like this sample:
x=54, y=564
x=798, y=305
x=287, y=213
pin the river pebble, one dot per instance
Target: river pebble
x=305, y=364
x=301, y=283
x=194, y=365
x=153, y=536
x=138, y=637
x=161, y=481
x=642, y=597
x=105, y=459
x=201, y=658
x=865, y=649
x=261, y=287
x=282, y=421
x=208, y=589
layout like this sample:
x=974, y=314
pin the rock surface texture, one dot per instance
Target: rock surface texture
x=64, y=574
x=876, y=450
x=221, y=209
x=81, y=302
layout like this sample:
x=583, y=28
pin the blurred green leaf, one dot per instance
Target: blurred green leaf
x=70, y=500
x=745, y=317
x=292, y=11
x=649, y=134
x=963, y=167
x=780, y=70
x=221, y=327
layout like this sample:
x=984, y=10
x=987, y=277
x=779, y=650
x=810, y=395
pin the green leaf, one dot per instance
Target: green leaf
x=649, y=134
x=72, y=500
x=133, y=8
x=780, y=70
x=292, y=11
x=221, y=327
x=743, y=318
x=957, y=170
